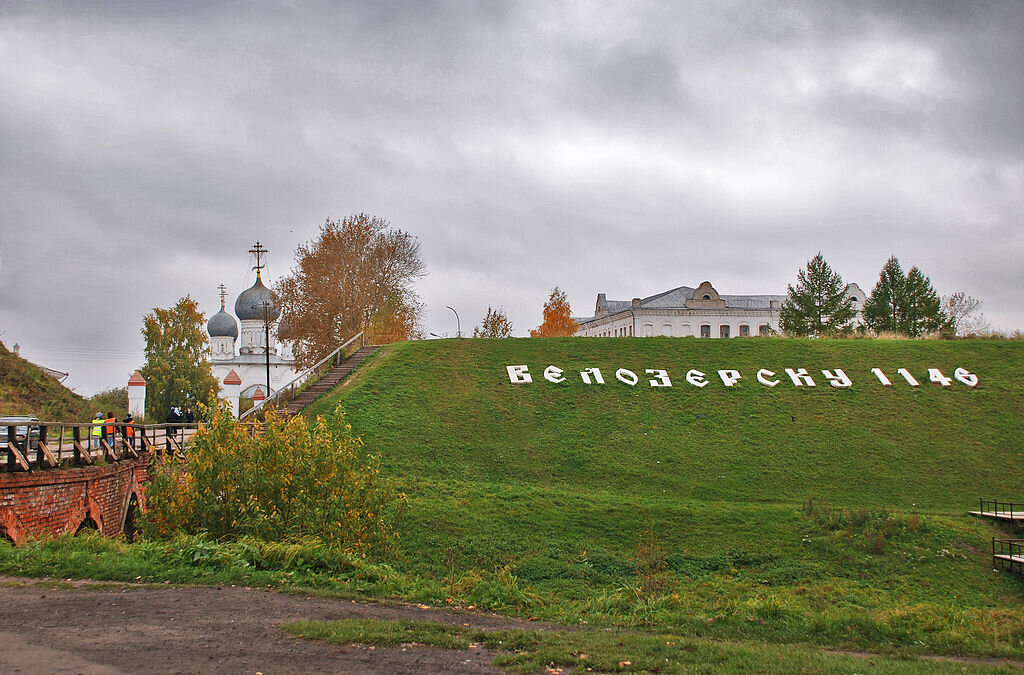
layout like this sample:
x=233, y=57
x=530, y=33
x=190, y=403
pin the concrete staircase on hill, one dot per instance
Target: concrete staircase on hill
x=328, y=381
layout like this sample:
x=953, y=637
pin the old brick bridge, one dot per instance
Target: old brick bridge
x=59, y=478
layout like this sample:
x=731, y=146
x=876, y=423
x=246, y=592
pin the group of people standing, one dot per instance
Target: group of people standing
x=175, y=416
x=105, y=429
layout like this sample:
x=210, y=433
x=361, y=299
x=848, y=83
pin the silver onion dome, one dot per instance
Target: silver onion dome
x=222, y=324
x=249, y=305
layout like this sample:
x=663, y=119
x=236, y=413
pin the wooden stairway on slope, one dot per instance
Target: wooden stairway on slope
x=328, y=381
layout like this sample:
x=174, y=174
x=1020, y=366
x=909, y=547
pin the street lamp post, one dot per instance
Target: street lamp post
x=266, y=337
x=458, y=323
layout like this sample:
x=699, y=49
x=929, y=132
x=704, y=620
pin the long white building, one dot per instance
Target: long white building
x=685, y=311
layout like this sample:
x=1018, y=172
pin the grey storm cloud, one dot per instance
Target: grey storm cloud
x=625, y=148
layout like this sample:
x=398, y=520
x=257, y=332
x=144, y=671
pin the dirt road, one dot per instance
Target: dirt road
x=98, y=629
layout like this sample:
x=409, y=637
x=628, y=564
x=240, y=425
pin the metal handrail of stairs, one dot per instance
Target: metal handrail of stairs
x=310, y=375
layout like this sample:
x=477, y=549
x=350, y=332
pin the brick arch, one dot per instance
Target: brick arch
x=134, y=490
x=11, y=527
x=89, y=510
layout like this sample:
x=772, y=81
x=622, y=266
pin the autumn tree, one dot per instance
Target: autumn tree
x=356, y=275
x=397, y=319
x=904, y=304
x=963, y=314
x=818, y=305
x=495, y=325
x=558, y=321
x=176, y=370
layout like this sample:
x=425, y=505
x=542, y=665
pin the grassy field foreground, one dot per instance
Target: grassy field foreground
x=820, y=517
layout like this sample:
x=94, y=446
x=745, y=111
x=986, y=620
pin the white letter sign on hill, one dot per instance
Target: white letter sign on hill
x=730, y=377
x=661, y=377
x=839, y=380
x=970, y=379
x=696, y=378
x=519, y=374
x=627, y=376
x=733, y=379
x=553, y=374
x=763, y=375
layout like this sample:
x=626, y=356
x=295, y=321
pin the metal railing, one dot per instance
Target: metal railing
x=999, y=508
x=1009, y=554
x=307, y=377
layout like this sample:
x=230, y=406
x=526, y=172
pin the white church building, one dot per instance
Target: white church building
x=239, y=357
x=685, y=311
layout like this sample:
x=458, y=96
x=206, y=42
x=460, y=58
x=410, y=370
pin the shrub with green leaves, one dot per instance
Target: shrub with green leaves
x=289, y=479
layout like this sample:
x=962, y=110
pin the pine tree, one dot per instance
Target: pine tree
x=818, y=306
x=176, y=371
x=904, y=304
x=883, y=308
x=922, y=313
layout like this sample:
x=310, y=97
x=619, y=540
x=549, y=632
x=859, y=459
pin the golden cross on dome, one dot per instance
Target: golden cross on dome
x=260, y=252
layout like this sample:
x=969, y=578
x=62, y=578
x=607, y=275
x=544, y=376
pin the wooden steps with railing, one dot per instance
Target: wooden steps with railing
x=329, y=381
x=997, y=510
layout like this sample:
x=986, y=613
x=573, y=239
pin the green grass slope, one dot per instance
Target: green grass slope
x=27, y=390
x=689, y=507
x=446, y=410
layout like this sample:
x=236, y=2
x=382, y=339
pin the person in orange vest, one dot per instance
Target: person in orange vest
x=129, y=430
x=108, y=429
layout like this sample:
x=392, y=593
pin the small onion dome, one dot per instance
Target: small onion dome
x=249, y=305
x=222, y=324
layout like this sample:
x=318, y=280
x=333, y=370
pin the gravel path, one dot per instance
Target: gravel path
x=95, y=628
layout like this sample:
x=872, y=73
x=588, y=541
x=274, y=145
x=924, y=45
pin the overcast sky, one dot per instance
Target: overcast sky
x=620, y=148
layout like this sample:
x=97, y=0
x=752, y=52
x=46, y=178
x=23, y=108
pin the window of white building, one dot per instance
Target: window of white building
x=723, y=331
x=744, y=330
x=705, y=330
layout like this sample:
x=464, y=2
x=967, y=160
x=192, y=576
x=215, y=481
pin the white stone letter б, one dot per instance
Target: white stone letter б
x=519, y=374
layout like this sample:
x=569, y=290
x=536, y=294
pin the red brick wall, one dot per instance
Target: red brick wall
x=60, y=500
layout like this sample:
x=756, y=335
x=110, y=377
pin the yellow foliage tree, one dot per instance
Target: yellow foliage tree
x=394, y=321
x=558, y=321
x=290, y=479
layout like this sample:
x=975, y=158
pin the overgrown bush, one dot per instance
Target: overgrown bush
x=286, y=481
x=875, y=527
